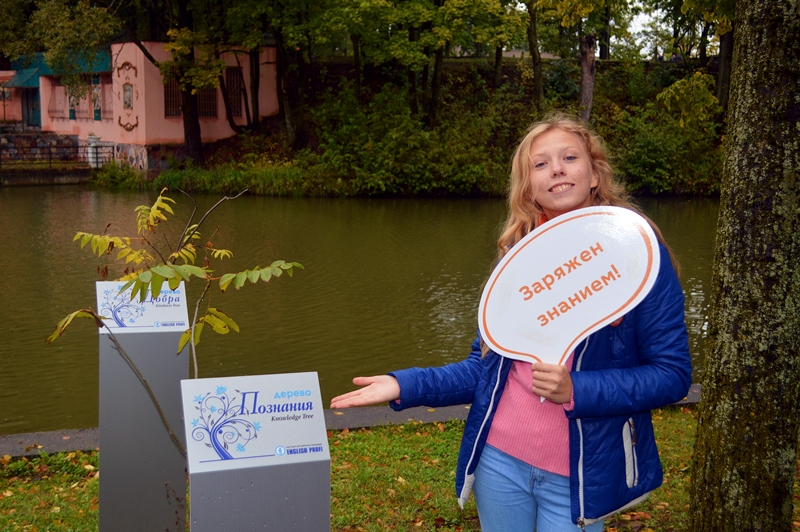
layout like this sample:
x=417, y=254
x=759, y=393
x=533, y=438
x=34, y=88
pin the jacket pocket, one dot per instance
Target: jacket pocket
x=631, y=462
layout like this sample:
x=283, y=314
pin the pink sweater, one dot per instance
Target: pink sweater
x=536, y=433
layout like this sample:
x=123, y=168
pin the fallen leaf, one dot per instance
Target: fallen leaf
x=89, y=467
x=7, y=494
x=441, y=427
x=401, y=480
x=65, y=437
x=431, y=410
x=55, y=509
x=338, y=413
x=5, y=459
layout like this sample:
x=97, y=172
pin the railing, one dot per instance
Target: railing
x=80, y=155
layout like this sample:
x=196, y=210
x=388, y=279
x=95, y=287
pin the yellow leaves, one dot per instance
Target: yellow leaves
x=62, y=325
x=5, y=459
x=219, y=322
x=692, y=98
x=148, y=217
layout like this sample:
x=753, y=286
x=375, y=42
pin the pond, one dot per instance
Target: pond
x=388, y=283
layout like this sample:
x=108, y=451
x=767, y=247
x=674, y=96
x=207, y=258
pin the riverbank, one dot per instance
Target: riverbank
x=34, y=176
x=31, y=444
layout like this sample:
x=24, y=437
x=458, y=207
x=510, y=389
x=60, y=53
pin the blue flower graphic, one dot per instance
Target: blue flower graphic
x=257, y=426
x=198, y=398
x=219, y=423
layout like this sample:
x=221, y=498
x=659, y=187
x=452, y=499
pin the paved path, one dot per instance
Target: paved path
x=33, y=443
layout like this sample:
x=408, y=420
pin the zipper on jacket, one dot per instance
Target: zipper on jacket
x=581, y=518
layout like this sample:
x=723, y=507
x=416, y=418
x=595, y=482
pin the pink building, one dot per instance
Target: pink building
x=130, y=108
x=10, y=99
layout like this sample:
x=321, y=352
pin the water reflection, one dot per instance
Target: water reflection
x=388, y=284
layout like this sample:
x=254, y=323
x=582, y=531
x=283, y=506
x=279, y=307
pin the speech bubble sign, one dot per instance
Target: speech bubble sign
x=565, y=280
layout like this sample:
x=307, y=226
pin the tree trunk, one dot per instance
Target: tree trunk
x=412, y=80
x=255, y=86
x=192, y=138
x=357, y=60
x=285, y=103
x=725, y=60
x=536, y=57
x=498, y=66
x=191, y=126
x=226, y=100
x=704, y=44
x=605, y=34
x=587, y=75
x=746, y=449
x=433, y=108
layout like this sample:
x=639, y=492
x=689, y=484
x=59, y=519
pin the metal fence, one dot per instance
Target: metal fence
x=55, y=156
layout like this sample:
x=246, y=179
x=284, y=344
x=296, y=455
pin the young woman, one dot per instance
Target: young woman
x=548, y=447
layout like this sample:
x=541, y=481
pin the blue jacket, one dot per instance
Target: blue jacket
x=619, y=374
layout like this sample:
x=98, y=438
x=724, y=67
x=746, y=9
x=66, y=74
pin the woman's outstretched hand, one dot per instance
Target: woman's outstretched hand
x=376, y=390
x=553, y=382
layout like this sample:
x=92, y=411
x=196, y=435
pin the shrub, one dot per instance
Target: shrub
x=118, y=174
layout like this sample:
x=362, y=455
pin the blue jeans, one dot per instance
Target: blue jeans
x=514, y=496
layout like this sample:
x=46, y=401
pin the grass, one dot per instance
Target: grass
x=397, y=477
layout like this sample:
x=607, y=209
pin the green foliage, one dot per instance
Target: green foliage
x=71, y=34
x=692, y=99
x=379, y=148
x=118, y=174
x=656, y=155
x=561, y=80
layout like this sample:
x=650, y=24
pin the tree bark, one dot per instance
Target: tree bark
x=255, y=86
x=498, y=66
x=745, y=455
x=226, y=100
x=357, y=60
x=704, y=44
x=192, y=137
x=605, y=34
x=588, y=43
x=536, y=57
x=436, y=86
x=725, y=60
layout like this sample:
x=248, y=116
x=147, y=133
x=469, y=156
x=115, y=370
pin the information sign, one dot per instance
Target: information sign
x=258, y=453
x=125, y=314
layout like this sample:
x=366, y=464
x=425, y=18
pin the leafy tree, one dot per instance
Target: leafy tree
x=745, y=455
x=70, y=34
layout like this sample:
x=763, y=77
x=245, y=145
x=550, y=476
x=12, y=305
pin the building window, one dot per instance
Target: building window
x=127, y=96
x=107, y=95
x=57, y=107
x=172, y=99
x=96, y=101
x=234, y=82
x=207, y=103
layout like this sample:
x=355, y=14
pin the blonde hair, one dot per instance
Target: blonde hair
x=525, y=214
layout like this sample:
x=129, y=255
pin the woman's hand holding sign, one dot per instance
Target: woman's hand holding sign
x=552, y=382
